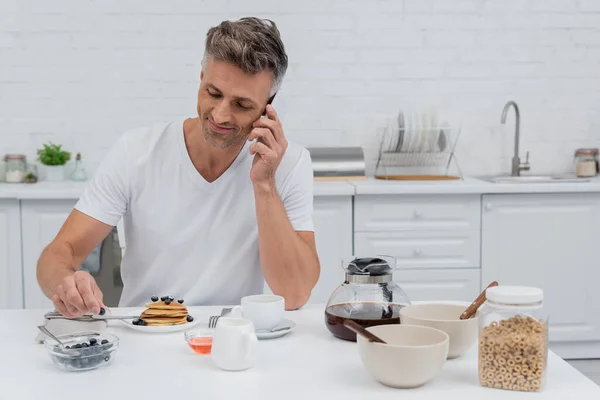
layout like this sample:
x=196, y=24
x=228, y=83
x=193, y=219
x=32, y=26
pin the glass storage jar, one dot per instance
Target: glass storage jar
x=16, y=165
x=368, y=296
x=513, y=339
x=586, y=162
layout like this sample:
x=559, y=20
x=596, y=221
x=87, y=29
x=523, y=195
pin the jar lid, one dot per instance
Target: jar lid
x=586, y=152
x=18, y=157
x=514, y=294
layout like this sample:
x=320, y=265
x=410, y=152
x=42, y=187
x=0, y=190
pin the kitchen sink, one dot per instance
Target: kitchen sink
x=535, y=179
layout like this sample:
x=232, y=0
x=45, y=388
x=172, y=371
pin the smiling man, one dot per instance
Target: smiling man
x=212, y=205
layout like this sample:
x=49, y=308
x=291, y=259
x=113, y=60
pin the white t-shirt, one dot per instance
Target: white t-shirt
x=186, y=237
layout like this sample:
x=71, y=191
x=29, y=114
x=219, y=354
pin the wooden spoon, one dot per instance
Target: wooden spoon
x=353, y=326
x=470, y=311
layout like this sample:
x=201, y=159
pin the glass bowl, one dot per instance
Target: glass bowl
x=199, y=340
x=83, y=350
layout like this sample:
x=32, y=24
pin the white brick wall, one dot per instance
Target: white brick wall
x=81, y=72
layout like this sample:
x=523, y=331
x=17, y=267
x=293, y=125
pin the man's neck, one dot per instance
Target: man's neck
x=209, y=161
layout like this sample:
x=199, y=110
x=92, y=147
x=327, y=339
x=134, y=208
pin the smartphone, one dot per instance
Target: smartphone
x=268, y=102
x=264, y=114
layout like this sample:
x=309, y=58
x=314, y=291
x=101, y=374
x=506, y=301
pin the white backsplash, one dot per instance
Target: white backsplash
x=80, y=73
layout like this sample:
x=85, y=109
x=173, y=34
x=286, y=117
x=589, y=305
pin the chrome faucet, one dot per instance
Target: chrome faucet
x=517, y=166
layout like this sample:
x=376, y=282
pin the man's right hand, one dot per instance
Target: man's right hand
x=78, y=294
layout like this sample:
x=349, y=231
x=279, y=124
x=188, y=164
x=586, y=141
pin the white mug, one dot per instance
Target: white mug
x=234, y=344
x=266, y=311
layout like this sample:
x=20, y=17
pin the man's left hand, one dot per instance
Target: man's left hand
x=268, y=149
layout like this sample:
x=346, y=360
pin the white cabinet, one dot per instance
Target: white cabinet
x=423, y=249
x=11, y=277
x=375, y=213
x=439, y=285
x=435, y=240
x=420, y=231
x=40, y=222
x=550, y=241
x=333, y=234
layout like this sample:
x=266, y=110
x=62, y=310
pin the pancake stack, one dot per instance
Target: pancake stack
x=164, y=313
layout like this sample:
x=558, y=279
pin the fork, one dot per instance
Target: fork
x=55, y=315
x=212, y=321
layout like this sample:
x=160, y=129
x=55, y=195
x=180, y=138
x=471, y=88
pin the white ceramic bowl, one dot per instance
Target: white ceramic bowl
x=412, y=356
x=445, y=317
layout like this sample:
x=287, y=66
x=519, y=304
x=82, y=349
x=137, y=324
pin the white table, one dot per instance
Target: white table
x=309, y=363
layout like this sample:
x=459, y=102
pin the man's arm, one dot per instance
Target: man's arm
x=287, y=248
x=73, y=292
x=100, y=207
x=289, y=258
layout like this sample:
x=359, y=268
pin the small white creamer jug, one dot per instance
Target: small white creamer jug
x=234, y=344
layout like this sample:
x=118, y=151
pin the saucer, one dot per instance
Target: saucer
x=289, y=325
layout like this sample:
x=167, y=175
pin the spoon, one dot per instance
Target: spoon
x=353, y=326
x=47, y=332
x=470, y=311
x=278, y=328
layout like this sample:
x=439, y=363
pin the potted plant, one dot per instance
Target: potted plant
x=54, y=158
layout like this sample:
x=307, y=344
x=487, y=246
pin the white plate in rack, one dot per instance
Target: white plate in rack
x=408, y=129
x=393, y=134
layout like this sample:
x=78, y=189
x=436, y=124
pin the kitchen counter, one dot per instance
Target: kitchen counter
x=73, y=190
x=470, y=186
x=307, y=363
x=42, y=190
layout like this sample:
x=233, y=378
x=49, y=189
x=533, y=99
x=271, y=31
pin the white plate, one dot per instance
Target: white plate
x=407, y=132
x=158, y=329
x=391, y=134
x=433, y=132
x=273, y=335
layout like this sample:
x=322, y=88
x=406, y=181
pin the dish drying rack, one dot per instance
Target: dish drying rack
x=422, y=154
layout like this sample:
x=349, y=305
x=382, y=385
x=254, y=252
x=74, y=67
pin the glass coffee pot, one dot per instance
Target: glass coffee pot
x=368, y=296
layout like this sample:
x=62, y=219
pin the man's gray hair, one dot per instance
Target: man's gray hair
x=251, y=44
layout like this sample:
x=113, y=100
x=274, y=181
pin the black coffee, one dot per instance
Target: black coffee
x=363, y=313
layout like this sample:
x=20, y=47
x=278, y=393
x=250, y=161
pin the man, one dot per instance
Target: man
x=210, y=204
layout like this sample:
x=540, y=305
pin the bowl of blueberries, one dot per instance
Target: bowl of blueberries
x=82, y=351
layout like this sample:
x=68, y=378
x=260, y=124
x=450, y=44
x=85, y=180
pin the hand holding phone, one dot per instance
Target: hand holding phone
x=269, y=148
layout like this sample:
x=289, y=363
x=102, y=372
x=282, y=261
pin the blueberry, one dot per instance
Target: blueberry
x=141, y=322
x=93, y=341
x=106, y=358
x=164, y=298
x=135, y=321
x=154, y=298
x=168, y=301
x=104, y=341
x=77, y=346
x=102, y=311
x=171, y=298
x=189, y=318
x=84, y=345
x=180, y=301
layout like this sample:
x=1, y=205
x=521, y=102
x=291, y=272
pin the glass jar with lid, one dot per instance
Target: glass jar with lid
x=368, y=296
x=16, y=165
x=586, y=162
x=513, y=339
